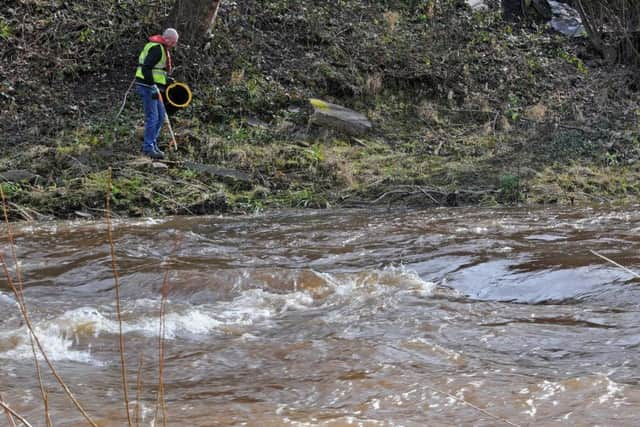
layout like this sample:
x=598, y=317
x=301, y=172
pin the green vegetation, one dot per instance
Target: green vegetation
x=5, y=30
x=461, y=102
x=510, y=191
x=575, y=61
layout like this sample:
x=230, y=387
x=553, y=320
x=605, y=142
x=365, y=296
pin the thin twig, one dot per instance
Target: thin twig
x=14, y=257
x=46, y=402
x=12, y=245
x=126, y=94
x=160, y=402
x=461, y=399
x=43, y=392
x=9, y=416
x=164, y=196
x=471, y=405
x=27, y=320
x=139, y=392
x=495, y=122
x=633, y=273
x=215, y=15
x=413, y=190
x=14, y=414
x=161, y=338
x=22, y=211
x=426, y=193
x=114, y=268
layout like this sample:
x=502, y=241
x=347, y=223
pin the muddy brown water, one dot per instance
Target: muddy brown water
x=333, y=318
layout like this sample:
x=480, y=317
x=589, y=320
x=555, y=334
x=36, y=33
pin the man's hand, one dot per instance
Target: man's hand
x=170, y=80
x=155, y=92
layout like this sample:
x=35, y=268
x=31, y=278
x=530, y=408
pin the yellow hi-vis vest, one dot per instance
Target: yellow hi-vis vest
x=159, y=70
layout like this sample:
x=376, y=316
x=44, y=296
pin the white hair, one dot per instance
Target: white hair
x=170, y=34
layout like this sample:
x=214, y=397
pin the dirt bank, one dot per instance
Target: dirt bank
x=466, y=108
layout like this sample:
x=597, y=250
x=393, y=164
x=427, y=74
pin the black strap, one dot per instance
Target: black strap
x=153, y=68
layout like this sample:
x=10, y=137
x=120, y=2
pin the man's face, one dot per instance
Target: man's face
x=172, y=41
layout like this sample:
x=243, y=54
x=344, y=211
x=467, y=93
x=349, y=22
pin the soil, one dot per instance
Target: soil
x=466, y=107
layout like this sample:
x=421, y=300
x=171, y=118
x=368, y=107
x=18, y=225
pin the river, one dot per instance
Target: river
x=442, y=317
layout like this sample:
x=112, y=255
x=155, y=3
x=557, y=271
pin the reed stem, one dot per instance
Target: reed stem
x=20, y=297
x=116, y=278
x=633, y=273
x=161, y=339
x=138, y=392
x=8, y=414
x=13, y=414
x=27, y=320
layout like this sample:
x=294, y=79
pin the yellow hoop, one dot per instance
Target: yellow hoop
x=181, y=85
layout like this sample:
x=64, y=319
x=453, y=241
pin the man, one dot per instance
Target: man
x=152, y=76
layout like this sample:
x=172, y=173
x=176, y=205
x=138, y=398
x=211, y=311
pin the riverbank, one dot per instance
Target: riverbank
x=496, y=113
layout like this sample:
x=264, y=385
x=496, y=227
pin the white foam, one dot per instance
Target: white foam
x=253, y=306
x=550, y=389
x=614, y=394
x=175, y=324
x=59, y=335
x=297, y=301
x=57, y=345
x=532, y=411
x=250, y=307
x=389, y=279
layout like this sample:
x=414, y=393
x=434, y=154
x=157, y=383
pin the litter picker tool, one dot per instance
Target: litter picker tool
x=173, y=145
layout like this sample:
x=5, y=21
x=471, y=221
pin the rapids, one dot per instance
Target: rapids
x=441, y=317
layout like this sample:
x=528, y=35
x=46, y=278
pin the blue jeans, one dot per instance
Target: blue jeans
x=154, y=114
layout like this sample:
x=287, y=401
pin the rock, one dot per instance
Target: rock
x=159, y=165
x=219, y=172
x=19, y=175
x=83, y=214
x=257, y=123
x=561, y=17
x=340, y=118
x=477, y=4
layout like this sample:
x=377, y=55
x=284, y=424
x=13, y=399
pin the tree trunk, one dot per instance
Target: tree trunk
x=613, y=28
x=536, y=10
x=193, y=19
x=512, y=10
